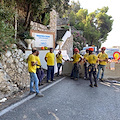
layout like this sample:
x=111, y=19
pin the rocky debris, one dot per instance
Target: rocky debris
x=3, y=100
x=14, y=74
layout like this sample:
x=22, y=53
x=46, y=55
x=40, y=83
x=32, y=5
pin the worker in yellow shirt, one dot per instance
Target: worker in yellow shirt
x=59, y=58
x=39, y=70
x=49, y=58
x=92, y=60
x=76, y=60
x=86, y=64
x=32, y=70
x=103, y=59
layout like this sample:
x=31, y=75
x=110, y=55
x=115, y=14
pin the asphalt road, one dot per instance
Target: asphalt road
x=71, y=100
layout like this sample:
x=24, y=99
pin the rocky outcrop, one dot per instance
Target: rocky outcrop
x=13, y=73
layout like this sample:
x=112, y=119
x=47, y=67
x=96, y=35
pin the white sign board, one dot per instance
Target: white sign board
x=42, y=40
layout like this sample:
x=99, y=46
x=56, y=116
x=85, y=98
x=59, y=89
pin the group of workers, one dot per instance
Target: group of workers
x=90, y=65
x=37, y=73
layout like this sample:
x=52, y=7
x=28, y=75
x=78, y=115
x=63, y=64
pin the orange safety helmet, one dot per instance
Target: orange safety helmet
x=91, y=49
x=76, y=50
x=103, y=48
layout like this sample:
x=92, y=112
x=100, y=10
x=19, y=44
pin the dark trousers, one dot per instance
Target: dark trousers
x=92, y=71
x=50, y=72
x=86, y=69
x=75, y=71
x=40, y=74
x=58, y=66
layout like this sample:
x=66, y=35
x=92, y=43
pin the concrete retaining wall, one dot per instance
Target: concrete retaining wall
x=109, y=74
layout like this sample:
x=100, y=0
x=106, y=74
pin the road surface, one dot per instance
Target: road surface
x=71, y=100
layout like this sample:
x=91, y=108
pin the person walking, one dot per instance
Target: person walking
x=33, y=77
x=49, y=58
x=76, y=60
x=39, y=70
x=59, y=58
x=92, y=60
x=103, y=59
x=86, y=65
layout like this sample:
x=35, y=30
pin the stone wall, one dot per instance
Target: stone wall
x=14, y=74
x=62, y=21
x=68, y=45
x=52, y=27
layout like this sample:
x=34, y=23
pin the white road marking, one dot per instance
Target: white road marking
x=56, y=118
x=2, y=112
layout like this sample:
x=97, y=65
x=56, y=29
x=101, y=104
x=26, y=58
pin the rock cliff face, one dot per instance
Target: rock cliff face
x=14, y=75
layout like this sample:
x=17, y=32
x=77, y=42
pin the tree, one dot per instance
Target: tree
x=81, y=19
x=95, y=25
x=37, y=10
x=72, y=18
x=6, y=27
x=104, y=22
x=75, y=6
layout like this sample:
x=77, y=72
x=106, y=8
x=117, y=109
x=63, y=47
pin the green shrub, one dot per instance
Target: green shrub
x=6, y=28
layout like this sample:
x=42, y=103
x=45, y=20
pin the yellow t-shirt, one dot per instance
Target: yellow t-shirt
x=92, y=59
x=86, y=55
x=50, y=58
x=76, y=57
x=103, y=56
x=31, y=68
x=59, y=58
x=38, y=60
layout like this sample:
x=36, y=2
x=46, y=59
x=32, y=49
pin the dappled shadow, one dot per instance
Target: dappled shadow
x=116, y=86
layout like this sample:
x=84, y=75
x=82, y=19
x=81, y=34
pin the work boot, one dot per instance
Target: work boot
x=32, y=92
x=85, y=78
x=53, y=79
x=39, y=95
x=57, y=75
x=101, y=80
x=40, y=84
x=95, y=85
x=49, y=81
x=76, y=79
x=91, y=85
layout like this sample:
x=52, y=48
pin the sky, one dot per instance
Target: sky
x=113, y=38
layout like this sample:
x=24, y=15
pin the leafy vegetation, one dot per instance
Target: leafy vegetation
x=26, y=35
x=78, y=40
x=27, y=11
x=95, y=26
x=6, y=27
